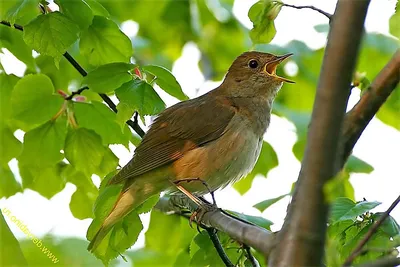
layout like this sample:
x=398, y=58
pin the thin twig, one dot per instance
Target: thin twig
x=385, y=262
x=370, y=233
x=217, y=244
x=82, y=71
x=250, y=256
x=326, y=14
x=77, y=92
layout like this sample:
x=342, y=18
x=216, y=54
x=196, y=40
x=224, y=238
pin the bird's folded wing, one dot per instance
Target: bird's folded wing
x=178, y=129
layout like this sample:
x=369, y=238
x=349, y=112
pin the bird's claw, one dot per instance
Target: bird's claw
x=198, y=214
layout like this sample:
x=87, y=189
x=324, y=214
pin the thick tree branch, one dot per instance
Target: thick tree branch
x=301, y=240
x=254, y=236
x=82, y=71
x=373, y=98
x=326, y=14
x=370, y=233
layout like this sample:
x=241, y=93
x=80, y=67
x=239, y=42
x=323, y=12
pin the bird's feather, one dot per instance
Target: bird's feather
x=177, y=130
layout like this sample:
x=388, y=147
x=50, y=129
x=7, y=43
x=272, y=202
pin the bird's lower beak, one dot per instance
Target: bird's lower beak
x=270, y=67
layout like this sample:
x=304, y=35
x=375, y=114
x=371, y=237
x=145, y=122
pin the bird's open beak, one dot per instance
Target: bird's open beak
x=270, y=67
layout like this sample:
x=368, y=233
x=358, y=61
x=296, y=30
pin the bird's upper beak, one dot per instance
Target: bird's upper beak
x=270, y=67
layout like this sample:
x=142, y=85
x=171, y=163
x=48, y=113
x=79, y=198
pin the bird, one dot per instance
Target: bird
x=213, y=140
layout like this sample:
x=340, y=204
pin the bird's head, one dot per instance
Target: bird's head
x=253, y=74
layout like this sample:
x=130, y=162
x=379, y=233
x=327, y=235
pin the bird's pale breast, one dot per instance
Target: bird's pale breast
x=222, y=161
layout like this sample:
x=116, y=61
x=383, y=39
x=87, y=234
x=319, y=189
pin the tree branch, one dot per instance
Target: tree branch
x=386, y=262
x=77, y=92
x=373, y=98
x=252, y=235
x=326, y=14
x=370, y=233
x=250, y=256
x=82, y=71
x=218, y=247
x=301, y=240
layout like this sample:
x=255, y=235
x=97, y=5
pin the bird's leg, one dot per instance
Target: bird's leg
x=203, y=207
x=203, y=182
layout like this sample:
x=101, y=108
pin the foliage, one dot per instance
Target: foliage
x=68, y=141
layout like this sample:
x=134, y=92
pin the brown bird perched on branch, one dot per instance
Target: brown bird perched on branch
x=212, y=140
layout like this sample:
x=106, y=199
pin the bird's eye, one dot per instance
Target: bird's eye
x=253, y=63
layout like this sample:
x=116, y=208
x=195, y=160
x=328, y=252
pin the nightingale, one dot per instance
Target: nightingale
x=215, y=138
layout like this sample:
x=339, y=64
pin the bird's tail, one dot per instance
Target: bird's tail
x=127, y=201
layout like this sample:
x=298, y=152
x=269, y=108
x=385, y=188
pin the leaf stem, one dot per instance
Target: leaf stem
x=82, y=71
x=370, y=233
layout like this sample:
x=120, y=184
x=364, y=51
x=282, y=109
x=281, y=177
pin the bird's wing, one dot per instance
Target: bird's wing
x=178, y=129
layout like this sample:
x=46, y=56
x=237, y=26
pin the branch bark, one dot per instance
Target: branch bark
x=373, y=98
x=83, y=72
x=301, y=240
x=254, y=236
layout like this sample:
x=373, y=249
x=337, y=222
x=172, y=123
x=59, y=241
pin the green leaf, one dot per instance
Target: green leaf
x=257, y=220
x=345, y=209
x=379, y=48
x=140, y=96
x=97, y=8
x=123, y=235
x=394, y=22
x=8, y=185
x=125, y=112
x=109, y=77
x=356, y=165
x=105, y=202
x=62, y=76
x=204, y=254
x=389, y=225
x=78, y=11
x=145, y=257
x=99, y=118
x=13, y=41
x=339, y=186
x=84, y=150
x=340, y=207
x=20, y=11
x=166, y=81
x=11, y=254
x=82, y=201
x=266, y=161
x=7, y=84
x=42, y=145
x=10, y=146
x=147, y=205
x=104, y=43
x=47, y=181
x=168, y=233
x=263, y=205
x=51, y=34
x=33, y=102
x=108, y=164
x=263, y=14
